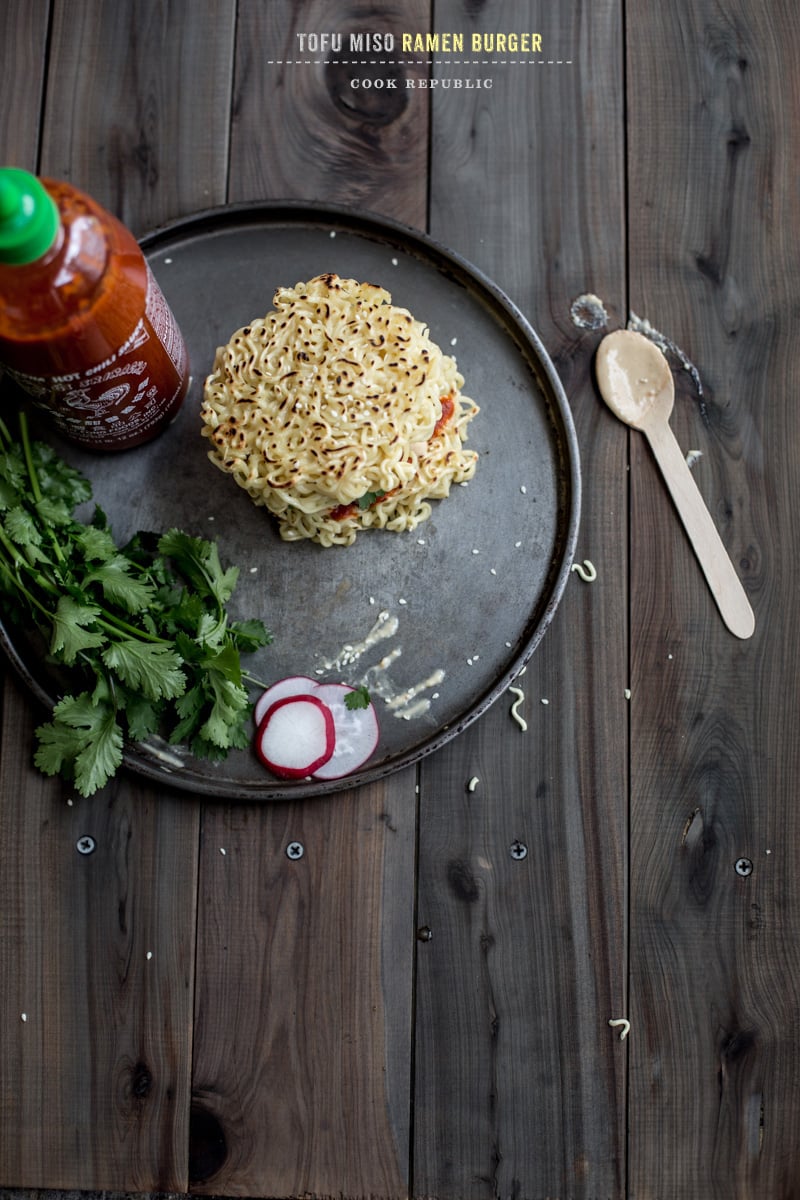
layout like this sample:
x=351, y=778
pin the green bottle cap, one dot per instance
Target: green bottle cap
x=29, y=218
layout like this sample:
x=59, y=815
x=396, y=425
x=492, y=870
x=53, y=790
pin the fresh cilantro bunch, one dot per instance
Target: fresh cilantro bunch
x=143, y=629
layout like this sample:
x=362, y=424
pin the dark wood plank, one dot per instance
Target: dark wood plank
x=23, y=26
x=301, y=1075
x=520, y=1082
x=308, y=1085
x=139, y=105
x=714, y=959
x=96, y=956
x=301, y=130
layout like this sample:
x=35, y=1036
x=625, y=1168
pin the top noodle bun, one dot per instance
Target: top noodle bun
x=335, y=397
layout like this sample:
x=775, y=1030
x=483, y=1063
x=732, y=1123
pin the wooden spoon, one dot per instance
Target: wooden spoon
x=636, y=383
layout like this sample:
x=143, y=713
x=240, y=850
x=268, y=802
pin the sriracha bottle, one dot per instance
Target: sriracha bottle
x=84, y=327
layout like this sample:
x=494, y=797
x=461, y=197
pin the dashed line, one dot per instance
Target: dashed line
x=419, y=62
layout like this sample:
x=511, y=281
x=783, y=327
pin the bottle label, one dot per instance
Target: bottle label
x=124, y=398
x=165, y=327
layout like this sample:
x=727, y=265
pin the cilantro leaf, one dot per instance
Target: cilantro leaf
x=358, y=698
x=21, y=528
x=210, y=630
x=142, y=715
x=84, y=741
x=229, y=700
x=97, y=544
x=198, y=561
x=57, y=480
x=249, y=635
x=53, y=512
x=369, y=498
x=131, y=592
x=153, y=668
x=70, y=635
x=12, y=468
x=8, y=495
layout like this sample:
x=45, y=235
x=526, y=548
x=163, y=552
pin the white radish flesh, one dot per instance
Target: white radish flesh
x=356, y=732
x=296, y=736
x=293, y=685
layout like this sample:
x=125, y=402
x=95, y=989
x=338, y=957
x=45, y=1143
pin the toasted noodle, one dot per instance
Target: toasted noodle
x=332, y=398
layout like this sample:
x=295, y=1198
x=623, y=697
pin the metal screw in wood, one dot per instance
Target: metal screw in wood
x=295, y=850
x=518, y=849
x=86, y=844
x=743, y=866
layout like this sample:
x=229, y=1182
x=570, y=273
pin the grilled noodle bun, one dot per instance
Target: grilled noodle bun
x=338, y=413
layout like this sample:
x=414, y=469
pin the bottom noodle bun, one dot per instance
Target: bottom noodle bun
x=338, y=413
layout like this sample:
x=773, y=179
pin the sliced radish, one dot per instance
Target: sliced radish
x=296, y=736
x=356, y=732
x=293, y=685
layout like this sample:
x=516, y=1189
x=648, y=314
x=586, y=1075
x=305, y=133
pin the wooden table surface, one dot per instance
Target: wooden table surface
x=249, y=1025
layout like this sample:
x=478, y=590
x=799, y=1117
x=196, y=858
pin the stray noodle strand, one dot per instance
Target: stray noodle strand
x=518, y=692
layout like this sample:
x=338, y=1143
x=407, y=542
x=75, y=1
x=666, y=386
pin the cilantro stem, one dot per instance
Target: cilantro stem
x=16, y=557
x=114, y=624
x=34, y=478
x=20, y=586
x=26, y=450
x=248, y=678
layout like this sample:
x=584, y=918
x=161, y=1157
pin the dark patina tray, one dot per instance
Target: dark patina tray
x=462, y=601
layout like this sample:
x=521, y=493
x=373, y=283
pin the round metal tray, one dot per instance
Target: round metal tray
x=471, y=591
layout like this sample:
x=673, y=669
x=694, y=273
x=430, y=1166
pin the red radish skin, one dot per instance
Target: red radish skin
x=296, y=736
x=293, y=685
x=357, y=732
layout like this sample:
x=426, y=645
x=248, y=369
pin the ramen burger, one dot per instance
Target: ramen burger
x=337, y=413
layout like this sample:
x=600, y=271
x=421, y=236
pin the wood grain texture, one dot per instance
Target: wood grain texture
x=139, y=104
x=96, y=957
x=520, y=1083
x=301, y=130
x=714, y=956
x=23, y=25
x=302, y=1032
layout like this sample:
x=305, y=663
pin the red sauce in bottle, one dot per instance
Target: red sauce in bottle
x=85, y=329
